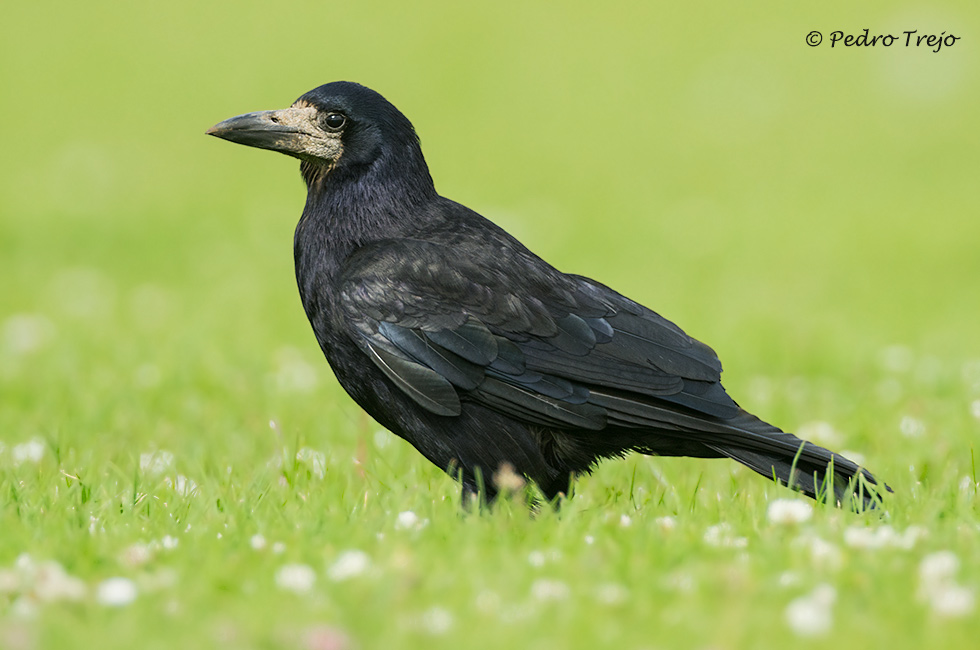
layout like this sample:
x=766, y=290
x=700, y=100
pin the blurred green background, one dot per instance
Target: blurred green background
x=700, y=158
x=811, y=213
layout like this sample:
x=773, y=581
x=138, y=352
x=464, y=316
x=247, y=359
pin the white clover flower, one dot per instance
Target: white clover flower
x=760, y=388
x=408, y=520
x=10, y=581
x=953, y=601
x=147, y=376
x=156, y=462
x=975, y=408
x=589, y=539
x=513, y=613
x=721, y=535
x=928, y=370
x=297, y=578
x=25, y=564
x=857, y=457
x=540, y=558
x=294, y=374
x=382, y=438
x=487, y=601
x=182, y=485
x=888, y=391
x=938, y=567
x=52, y=583
x=811, y=615
x=278, y=548
x=680, y=581
x=937, y=585
x=625, y=521
x=545, y=589
x=93, y=525
x=897, y=358
x=824, y=555
x=612, y=593
x=789, y=579
x=116, y=592
x=169, y=543
x=26, y=333
x=967, y=485
x=257, y=541
x=666, y=523
x=909, y=538
x=136, y=555
x=789, y=511
x=884, y=536
x=31, y=451
x=160, y=579
x=861, y=537
x=971, y=373
x=912, y=427
x=437, y=621
x=820, y=432
x=325, y=637
x=824, y=594
x=348, y=565
x=24, y=607
x=869, y=538
x=315, y=460
x=84, y=292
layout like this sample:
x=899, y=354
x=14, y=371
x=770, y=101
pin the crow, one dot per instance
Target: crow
x=453, y=335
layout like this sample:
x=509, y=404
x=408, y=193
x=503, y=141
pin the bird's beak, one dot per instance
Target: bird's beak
x=293, y=131
x=263, y=129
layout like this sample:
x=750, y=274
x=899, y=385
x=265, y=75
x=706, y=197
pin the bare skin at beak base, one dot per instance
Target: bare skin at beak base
x=292, y=131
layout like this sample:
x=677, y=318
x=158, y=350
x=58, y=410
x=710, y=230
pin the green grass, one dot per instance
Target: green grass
x=810, y=213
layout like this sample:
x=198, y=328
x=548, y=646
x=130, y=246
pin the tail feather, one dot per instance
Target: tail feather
x=756, y=444
x=797, y=463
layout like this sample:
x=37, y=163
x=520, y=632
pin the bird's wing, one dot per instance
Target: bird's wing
x=514, y=334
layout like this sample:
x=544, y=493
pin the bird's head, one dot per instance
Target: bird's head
x=337, y=126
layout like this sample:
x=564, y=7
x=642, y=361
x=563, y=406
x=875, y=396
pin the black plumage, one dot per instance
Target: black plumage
x=456, y=337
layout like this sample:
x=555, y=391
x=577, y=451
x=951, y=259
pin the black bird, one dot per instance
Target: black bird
x=456, y=337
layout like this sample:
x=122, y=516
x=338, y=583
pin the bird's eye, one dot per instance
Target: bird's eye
x=335, y=121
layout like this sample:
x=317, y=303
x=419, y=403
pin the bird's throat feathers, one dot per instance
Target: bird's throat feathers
x=391, y=175
x=351, y=205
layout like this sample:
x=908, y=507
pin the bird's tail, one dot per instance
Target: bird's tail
x=802, y=465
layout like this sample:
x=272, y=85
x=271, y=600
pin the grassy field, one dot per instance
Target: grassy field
x=178, y=467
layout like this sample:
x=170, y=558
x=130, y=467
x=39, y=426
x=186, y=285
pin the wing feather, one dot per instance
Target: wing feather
x=546, y=348
x=428, y=388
